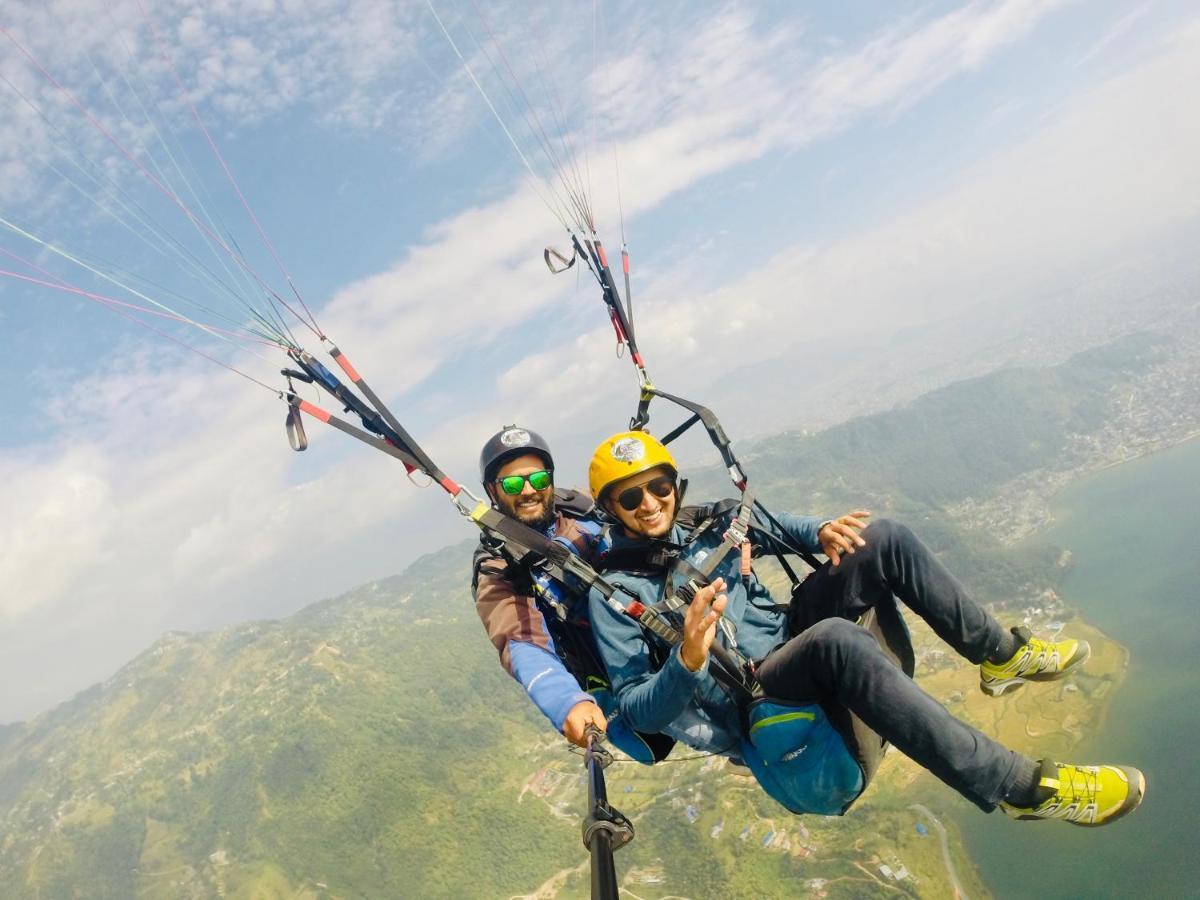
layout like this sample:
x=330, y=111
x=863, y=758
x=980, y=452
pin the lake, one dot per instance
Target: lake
x=1133, y=531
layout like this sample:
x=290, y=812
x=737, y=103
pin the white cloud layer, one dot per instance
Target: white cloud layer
x=171, y=494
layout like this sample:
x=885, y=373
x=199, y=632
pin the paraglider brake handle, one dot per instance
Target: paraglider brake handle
x=292, y=373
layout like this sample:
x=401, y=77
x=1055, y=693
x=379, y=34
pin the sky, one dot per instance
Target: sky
x=801, y=189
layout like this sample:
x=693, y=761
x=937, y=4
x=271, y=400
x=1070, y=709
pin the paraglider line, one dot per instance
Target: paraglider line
x=170, y=195
x=112, y=302
x=225, y=168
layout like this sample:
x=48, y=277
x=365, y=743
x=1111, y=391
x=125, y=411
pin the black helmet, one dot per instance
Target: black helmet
x=508, y=442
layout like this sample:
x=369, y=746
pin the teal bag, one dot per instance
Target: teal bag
x=808, y=763
x=800, y=758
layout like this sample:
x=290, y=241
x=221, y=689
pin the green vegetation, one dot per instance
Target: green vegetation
x=369, y=746
x=963, y=441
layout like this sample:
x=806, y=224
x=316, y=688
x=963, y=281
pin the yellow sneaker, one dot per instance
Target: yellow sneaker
x=1036, y=660
x=1085, y=795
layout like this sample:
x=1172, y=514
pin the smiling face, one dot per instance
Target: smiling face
x=654, y=514
x=530, y=507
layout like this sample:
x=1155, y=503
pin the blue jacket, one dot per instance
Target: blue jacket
x=665, y=697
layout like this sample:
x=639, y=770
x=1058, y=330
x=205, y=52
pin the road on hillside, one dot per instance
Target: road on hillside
x=941, y=830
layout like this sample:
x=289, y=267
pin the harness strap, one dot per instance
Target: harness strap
x=729, y=669
x=787, y=545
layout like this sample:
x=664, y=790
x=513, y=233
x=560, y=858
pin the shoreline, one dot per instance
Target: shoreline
x=1140, y=603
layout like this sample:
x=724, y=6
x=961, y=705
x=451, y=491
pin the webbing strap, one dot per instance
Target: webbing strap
x=399, y=435
x=731, y=670
x=530, y=547
x=704, y=415
x=295, y=429
x=598, y=261
x=737, y=534
x=677, y=431
x=787, y=545
x=357, y=433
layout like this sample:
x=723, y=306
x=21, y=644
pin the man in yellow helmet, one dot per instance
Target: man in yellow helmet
x=815, y=653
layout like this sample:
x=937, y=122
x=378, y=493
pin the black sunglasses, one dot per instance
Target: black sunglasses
x=661, y=487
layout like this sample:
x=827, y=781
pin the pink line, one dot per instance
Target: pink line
x=170, y=195
x=161, y=333
x=228, y=174
x=61, y=284
x=113, y=302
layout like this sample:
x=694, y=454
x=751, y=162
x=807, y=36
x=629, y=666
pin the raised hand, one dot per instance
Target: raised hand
x=700, y=624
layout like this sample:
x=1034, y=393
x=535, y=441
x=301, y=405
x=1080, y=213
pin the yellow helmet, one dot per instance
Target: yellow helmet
x=626, y=453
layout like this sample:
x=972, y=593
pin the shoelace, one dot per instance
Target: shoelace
x=1071, y=794
x=1038, y=655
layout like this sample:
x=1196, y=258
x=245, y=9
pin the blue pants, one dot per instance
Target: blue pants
x=831, y=659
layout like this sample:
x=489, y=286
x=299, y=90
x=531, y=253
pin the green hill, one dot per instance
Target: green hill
x=369, y=746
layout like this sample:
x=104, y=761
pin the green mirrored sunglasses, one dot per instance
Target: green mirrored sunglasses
x=514, y=484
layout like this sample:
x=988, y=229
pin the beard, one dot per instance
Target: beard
x=539, y=517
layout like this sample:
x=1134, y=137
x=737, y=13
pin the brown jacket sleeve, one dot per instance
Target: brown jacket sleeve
x=507, y=613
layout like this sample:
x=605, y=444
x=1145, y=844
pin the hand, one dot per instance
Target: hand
x=581, y=715
x=842, y=535
x=700, y=624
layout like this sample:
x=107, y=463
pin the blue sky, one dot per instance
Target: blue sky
x=787, y=175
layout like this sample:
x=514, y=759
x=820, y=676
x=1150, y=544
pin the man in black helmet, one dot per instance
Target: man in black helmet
x=530, y=619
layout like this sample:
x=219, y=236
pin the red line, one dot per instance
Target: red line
x=451, y=487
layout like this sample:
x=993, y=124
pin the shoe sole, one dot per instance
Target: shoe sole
x=995, y=690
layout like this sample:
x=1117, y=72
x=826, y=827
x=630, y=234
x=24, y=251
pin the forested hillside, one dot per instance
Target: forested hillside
x=370, y=746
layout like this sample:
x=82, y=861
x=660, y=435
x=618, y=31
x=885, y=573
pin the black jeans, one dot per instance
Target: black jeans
x=832, y=659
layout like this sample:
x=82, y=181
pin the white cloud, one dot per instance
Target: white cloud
x=1113, y=33
x=720, y=99
x=61, y=507
x=178, y=494
x=1110, y=173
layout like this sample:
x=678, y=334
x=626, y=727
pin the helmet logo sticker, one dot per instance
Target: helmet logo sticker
x=628, y=450
x=515, y=437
